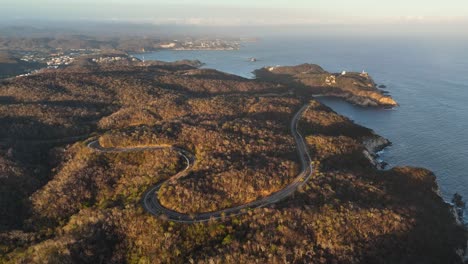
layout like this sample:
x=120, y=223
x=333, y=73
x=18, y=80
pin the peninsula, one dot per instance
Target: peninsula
x=356, y=88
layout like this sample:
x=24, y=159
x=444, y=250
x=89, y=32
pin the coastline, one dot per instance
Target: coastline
x=386, y=215
x=183, y=49
x=377, y=144
x=355, y=103
x=374, y=146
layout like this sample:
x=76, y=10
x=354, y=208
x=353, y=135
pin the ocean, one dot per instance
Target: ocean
x=428, y=77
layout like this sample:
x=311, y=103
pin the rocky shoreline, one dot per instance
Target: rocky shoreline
x=373, y=145
x=363, y=101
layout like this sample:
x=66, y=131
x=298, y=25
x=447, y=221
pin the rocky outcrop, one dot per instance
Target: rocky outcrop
x=376, y=143
x=366, y=100
x=372, y=146
x=386, y=100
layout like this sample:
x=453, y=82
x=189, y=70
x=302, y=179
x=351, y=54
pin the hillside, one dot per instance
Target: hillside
x=81, y=206
x=10, y=66
x=51, y=42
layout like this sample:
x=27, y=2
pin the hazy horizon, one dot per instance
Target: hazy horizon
x=242, y=12
x=54, y=28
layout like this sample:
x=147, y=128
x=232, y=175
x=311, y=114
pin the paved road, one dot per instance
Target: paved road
x=153, y=206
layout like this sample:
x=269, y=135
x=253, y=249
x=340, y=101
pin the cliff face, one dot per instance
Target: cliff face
x=357, y=88
x=373, y=145
x=87, y=206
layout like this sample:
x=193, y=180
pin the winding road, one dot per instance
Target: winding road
x=153, y=206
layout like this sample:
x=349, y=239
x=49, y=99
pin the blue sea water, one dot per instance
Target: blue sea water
x=427, y=76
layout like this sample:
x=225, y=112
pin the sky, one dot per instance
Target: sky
x=240, y=12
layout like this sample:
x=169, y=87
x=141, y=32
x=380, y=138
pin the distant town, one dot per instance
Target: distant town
x=215, y=44
x=55, y=57
x=34, y=54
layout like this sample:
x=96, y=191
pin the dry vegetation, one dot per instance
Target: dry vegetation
x=77, y=42
x=354, y=87
x=85, y=207
x=10, y=66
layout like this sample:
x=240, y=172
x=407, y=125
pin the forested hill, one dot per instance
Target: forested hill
x=62, y=202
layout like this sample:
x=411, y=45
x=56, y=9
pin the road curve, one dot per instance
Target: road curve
x=153, y=206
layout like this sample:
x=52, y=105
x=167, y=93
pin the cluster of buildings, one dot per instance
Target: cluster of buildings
x=59, y=61
x=111, y=59
x=215, y=44
x=55, y=58
x=29, y=73
x=330, y=80
x=362, y=74
x=31, y=57
x=83, y=51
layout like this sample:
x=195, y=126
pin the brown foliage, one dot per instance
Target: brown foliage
x=90, y=211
